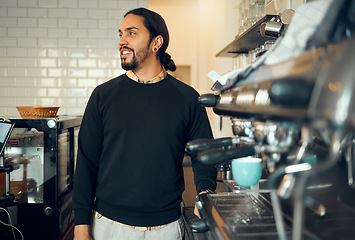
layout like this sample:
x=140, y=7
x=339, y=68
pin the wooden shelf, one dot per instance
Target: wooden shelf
x=248, y=40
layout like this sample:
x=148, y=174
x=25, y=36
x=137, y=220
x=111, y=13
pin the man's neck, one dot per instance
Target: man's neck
x=148, y=71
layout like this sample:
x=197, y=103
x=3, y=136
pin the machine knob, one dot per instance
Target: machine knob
x=48, y=211
x=199, y=226
x=208, y=100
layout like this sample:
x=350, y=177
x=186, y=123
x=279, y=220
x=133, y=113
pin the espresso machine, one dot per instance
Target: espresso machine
x=302, y=124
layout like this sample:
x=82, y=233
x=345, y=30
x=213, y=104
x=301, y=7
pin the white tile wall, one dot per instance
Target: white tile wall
x=55, y=52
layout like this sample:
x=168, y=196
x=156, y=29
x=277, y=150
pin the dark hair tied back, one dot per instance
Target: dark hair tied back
x=156, y=26
x=167, y=62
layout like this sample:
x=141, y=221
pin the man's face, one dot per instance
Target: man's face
x=134, y=42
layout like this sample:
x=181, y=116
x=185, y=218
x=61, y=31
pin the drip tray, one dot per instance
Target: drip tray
x=240, y=216
x=247, y=215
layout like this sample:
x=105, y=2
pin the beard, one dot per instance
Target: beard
x=138, y=57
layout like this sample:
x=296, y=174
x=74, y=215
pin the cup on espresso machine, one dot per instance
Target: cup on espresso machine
x=246, y=171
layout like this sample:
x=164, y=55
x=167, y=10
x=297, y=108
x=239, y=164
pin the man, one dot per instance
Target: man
x=132, y=140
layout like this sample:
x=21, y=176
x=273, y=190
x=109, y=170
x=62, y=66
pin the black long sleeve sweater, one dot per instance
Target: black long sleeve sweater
x=131, y=147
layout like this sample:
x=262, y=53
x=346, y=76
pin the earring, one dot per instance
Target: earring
x=155, y=49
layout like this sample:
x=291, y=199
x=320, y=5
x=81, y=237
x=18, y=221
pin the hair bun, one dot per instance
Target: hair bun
x=167, y=62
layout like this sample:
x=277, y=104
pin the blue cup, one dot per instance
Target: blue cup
x=246, y=171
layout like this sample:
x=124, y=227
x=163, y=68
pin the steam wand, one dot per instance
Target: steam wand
x=334, y=155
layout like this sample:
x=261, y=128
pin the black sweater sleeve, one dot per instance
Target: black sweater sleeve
x=204, y=176
x=89, y=151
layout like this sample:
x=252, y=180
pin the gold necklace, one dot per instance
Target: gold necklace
x=157, y=78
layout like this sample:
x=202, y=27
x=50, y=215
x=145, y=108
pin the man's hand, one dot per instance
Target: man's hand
x=81, y=232
x=196, y=212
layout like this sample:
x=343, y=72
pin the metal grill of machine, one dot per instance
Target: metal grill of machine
x=245, y=216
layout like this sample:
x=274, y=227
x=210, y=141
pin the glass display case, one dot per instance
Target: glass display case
x=25, y=152
x=43, y=154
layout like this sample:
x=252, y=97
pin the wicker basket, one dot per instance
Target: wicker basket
x=37, y=112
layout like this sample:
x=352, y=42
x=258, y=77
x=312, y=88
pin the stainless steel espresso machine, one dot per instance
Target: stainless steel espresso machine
x=302, y=124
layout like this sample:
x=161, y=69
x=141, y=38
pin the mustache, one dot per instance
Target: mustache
x=126, y=48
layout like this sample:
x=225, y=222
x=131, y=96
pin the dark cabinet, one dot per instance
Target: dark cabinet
x=43, y=154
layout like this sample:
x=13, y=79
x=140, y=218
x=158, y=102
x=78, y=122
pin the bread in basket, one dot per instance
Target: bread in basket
x=37, y=112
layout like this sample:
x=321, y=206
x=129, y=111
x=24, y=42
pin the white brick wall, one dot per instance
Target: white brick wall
x=55, y=52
